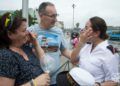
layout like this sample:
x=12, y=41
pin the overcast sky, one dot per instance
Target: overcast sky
x=84, y=9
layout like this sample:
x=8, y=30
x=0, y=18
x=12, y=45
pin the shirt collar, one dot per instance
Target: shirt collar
x=103, y=44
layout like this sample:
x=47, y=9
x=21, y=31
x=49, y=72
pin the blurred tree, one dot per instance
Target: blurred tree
x=18, y=13
x=0, y=16
x=31, y=19
x=77, y=25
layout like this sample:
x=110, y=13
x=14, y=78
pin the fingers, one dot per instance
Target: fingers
x=47, y=80
x=85, y=35
x=43, y=80
x=32, y=38
x=47, y=71
x=88, y=32
x=33, y=35
x=47, y=77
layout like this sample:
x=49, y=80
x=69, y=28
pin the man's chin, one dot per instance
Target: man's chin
x=51, y=26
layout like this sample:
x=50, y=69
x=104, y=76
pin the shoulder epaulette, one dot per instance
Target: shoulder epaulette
x=112, y=49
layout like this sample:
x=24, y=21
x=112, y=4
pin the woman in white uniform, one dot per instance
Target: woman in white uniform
x=97, y=56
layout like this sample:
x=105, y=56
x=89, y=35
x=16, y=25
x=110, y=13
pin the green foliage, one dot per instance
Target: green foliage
x=0, y=16
x=18, y=13
x=31, y=19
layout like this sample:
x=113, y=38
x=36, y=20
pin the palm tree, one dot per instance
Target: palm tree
x=77, y=25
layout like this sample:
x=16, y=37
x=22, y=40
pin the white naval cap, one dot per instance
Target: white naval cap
x=82, y=77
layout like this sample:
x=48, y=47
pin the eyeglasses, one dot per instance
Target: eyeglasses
x=51, y=16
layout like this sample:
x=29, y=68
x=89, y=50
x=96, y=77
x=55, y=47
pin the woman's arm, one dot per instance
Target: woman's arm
x=41, y=80
x=6, y=81
x=107, y=83
x=84, y=37
x=75, y=52
x=37, y=48
x=111, y=65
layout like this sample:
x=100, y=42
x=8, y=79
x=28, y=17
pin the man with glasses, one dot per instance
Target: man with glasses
x=50, y=38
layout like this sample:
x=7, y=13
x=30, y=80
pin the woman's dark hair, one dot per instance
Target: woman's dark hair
x=98, y=24
x=8, y=23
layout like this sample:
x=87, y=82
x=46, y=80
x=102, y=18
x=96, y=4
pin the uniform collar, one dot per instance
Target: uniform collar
x=100, y=46
x=103, y=44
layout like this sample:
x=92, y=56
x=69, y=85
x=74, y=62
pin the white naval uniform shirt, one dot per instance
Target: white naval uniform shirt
x=101, y=62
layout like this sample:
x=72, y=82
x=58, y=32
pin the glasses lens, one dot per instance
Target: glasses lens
x=52, y=16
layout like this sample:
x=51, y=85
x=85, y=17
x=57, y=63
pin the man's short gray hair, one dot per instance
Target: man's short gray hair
x=43, y=6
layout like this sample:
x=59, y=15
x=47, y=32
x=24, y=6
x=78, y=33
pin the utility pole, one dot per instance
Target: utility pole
x=25, y=9
x=73, y=14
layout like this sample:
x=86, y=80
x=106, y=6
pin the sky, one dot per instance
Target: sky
x=109, y=10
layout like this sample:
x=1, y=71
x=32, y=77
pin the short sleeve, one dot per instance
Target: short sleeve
x=8, y=65
x=111, y=66
x=63, y=45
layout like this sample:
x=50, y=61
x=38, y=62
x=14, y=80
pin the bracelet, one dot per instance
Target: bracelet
x=98, y=83
x=34, y=82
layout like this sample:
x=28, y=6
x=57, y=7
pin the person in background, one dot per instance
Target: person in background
x=76, y=40
x=97, y=57
x=19, y=65
x=46, y=30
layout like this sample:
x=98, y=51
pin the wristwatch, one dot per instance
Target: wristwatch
x=98, y=83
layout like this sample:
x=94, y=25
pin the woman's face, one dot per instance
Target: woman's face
x=95, y=34
x=89, y=26
x=20, y=35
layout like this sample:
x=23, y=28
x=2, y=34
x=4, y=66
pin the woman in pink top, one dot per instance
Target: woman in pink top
x=75, y=41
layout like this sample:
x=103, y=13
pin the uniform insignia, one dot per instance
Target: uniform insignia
x=112, y=49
